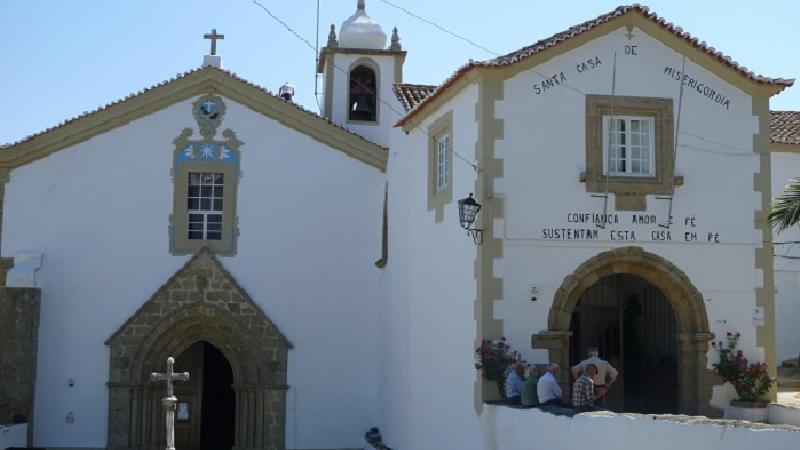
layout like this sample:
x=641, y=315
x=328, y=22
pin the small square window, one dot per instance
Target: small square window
x=628, y=146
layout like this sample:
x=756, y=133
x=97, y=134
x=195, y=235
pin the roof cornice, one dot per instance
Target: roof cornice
x=182, y=87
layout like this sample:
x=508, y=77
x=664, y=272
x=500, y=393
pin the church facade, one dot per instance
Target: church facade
x=312, y=274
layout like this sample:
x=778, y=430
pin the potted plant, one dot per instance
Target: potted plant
x=750, y=380
x=493, y=359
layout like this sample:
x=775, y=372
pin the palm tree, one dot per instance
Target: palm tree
x=786, y=207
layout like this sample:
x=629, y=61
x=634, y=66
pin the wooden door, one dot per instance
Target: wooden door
x=189, y=394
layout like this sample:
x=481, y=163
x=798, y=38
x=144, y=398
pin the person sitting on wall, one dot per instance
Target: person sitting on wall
x=529, y=395
x=583, y=390
x=606, y=374
x=514, y=383
x=547, y=387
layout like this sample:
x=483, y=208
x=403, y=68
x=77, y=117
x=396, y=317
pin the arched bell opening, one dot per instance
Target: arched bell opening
x=363, y=94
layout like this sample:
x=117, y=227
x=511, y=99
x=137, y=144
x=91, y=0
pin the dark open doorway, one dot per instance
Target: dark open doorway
x=207, y=403
x=633, y=325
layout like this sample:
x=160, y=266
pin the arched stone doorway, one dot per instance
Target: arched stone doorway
x=695, y=381
x=633, y=325
x=200, y=303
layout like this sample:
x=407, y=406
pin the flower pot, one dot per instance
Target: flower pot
x=750, y=410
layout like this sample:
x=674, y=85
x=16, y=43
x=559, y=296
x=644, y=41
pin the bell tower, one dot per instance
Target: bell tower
x=359, y=71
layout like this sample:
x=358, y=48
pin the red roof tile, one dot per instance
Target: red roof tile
x=785, y=126
x=410, y=95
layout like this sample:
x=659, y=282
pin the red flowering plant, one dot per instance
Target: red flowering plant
x=750, y=380
x=494, y=358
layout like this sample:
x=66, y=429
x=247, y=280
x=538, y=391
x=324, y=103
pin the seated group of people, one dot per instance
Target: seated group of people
x=593, y=378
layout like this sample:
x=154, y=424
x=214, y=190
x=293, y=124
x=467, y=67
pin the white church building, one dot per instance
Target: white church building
x=311, y=272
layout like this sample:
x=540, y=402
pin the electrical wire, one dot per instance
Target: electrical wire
x=387, y=104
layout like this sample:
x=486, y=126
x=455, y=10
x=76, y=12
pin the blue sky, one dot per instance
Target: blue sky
x=61, y=58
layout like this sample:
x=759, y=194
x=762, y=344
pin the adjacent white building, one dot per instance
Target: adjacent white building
x=312, y=274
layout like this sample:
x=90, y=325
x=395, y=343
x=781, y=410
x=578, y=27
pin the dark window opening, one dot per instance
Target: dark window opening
x=363, y=96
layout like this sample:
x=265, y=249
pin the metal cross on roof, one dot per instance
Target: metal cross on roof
x=213, y=36
x=170, y=400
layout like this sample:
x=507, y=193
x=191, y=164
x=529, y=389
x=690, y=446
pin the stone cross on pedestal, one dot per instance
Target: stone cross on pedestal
x=213, y=36
x=170, y=400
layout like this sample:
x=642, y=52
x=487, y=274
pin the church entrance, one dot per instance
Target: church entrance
x=633, y=325
x=647, y=318
x=206, y=415
x=236, y=358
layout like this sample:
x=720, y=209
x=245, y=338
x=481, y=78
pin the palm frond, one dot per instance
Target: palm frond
x=785, y=211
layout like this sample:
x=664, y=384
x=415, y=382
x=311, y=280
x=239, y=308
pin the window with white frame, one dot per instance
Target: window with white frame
x=442, y=161
x=204, y=206
x=628, y=146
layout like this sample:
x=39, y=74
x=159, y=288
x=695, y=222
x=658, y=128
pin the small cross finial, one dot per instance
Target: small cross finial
x=629, y=33
x=213, y=36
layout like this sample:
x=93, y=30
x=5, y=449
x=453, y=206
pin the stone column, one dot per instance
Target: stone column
x=557, y=345
x=19, y=338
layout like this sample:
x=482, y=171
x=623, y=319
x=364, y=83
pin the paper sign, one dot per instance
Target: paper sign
x=183, y=411
x=758, y=317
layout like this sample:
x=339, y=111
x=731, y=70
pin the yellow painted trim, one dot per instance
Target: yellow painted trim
x=488, y=288
x=764, y=261
x=197, y=83
x=438, y=199
x=784, y=148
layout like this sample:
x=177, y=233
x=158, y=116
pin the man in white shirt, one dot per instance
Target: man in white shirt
x=548, y=389
x=514, y=382
x=606, y=374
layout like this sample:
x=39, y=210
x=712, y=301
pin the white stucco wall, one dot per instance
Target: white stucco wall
x=544, y=153
x=786, y=166
x=428, y=383
x=13, y=435
x=309, y=220
x=389, y=112
x=518, y=429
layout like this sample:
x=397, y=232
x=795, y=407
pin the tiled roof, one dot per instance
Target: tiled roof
x=410, y=95
x=179, y=76
x=785, y=126
x=558, y=38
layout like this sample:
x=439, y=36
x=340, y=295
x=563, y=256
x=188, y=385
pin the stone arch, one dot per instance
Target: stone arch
x=201, y=302
x=695, y=380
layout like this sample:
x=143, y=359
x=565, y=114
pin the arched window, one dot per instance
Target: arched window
x=363, y=95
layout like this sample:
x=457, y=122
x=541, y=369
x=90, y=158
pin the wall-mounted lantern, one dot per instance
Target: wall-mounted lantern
x=467, y=210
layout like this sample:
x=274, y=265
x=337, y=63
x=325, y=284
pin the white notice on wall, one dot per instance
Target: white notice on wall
x=758, y=317
x=183, y=411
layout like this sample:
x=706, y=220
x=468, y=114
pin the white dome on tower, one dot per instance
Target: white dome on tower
x=360, y=31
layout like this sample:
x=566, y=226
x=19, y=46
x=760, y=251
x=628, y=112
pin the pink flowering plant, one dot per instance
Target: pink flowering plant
x=494, y=358
x=751, y=380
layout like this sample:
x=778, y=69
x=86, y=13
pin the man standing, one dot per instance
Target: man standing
x=606, y=374
x=548, y=389
x=583, y=390
x=514, y=383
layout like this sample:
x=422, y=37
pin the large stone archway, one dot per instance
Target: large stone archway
x=201, y=302
x=694, y=379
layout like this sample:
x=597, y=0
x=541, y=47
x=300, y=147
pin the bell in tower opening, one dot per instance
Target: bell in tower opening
x=362, y=94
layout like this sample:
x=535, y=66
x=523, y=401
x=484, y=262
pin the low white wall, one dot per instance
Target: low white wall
x=784, y=414
x=13, y=435
x=511, y=429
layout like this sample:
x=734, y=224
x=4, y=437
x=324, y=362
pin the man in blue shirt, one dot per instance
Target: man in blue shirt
x=514, y=382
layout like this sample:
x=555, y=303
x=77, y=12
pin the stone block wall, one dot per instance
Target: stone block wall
x=19, y=330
